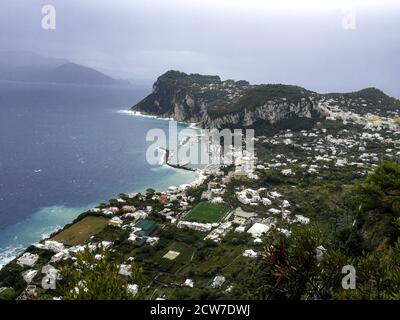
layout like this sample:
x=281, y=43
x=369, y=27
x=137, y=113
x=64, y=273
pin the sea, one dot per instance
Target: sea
x=65, y=149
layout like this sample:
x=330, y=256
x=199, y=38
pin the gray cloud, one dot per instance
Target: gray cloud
x=143, y=39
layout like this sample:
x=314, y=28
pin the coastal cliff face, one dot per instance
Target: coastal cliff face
x=212, y=103
x=272, y=113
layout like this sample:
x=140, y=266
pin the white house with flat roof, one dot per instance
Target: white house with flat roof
x=258, y=229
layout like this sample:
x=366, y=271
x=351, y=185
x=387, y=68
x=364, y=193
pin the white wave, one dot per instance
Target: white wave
x=47, y=234
x=9, y=253
x=139, y=114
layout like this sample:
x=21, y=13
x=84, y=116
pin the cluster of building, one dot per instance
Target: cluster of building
x=230, y=89
x=220, y=232
x=320, y=149
x=352, y=114
x=48, y=272
x=309, y=152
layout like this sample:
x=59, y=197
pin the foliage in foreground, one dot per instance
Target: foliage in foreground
x=96, y=277
x=294, y=268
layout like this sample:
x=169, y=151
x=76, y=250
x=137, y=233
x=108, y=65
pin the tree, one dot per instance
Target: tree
x=150, y=192
x=378, y=198
x=292, y=269
x=94, y=278
x=377, y=274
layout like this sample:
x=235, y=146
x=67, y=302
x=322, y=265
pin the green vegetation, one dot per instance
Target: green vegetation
x=323, y=187
x=8, y=294
x=186, y=80
x=98, y=279
x=207, y=212
x=260, y=95
x=366, y=101
x=372, y=99
x=204, y=98
x=79, y=232
x=378, y=198
x=185, y=251
x=290, y=268
x=176, y=86
x=355, y=220
x=188, y=236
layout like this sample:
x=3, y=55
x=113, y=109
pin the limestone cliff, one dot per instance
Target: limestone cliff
x=213, y=103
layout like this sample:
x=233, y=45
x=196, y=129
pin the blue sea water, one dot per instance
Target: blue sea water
x=64, y=149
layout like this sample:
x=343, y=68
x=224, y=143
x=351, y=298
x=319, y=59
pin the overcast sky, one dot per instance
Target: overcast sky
x=299, y=42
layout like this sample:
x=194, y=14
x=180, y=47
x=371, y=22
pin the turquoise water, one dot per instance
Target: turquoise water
x=65, y=149
x=15, y=238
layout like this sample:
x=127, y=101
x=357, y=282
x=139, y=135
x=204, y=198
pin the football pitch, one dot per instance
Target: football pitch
x=207, y=212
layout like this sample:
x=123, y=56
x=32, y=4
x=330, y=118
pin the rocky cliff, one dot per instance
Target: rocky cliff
x=213, y=103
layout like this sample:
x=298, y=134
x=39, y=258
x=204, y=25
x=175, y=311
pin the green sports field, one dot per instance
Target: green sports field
x=207, y=212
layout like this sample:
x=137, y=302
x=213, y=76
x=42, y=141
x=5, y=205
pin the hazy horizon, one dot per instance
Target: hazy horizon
x=304, y=43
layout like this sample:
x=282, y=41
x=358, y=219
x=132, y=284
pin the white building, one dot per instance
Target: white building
x=301, y=219
x=202, y=227
x=51, y=245
x=27, y=259
x=63, y=255
x=250, y=253
x=132, y=289
x=116, y=222
x=218, y=281
x=258, y=229
x=29, y=275
x=188, y=283
x=248, y=196
x=125, y=270
x=266, y=202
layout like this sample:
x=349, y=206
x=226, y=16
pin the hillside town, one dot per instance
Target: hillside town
x=229, y=210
